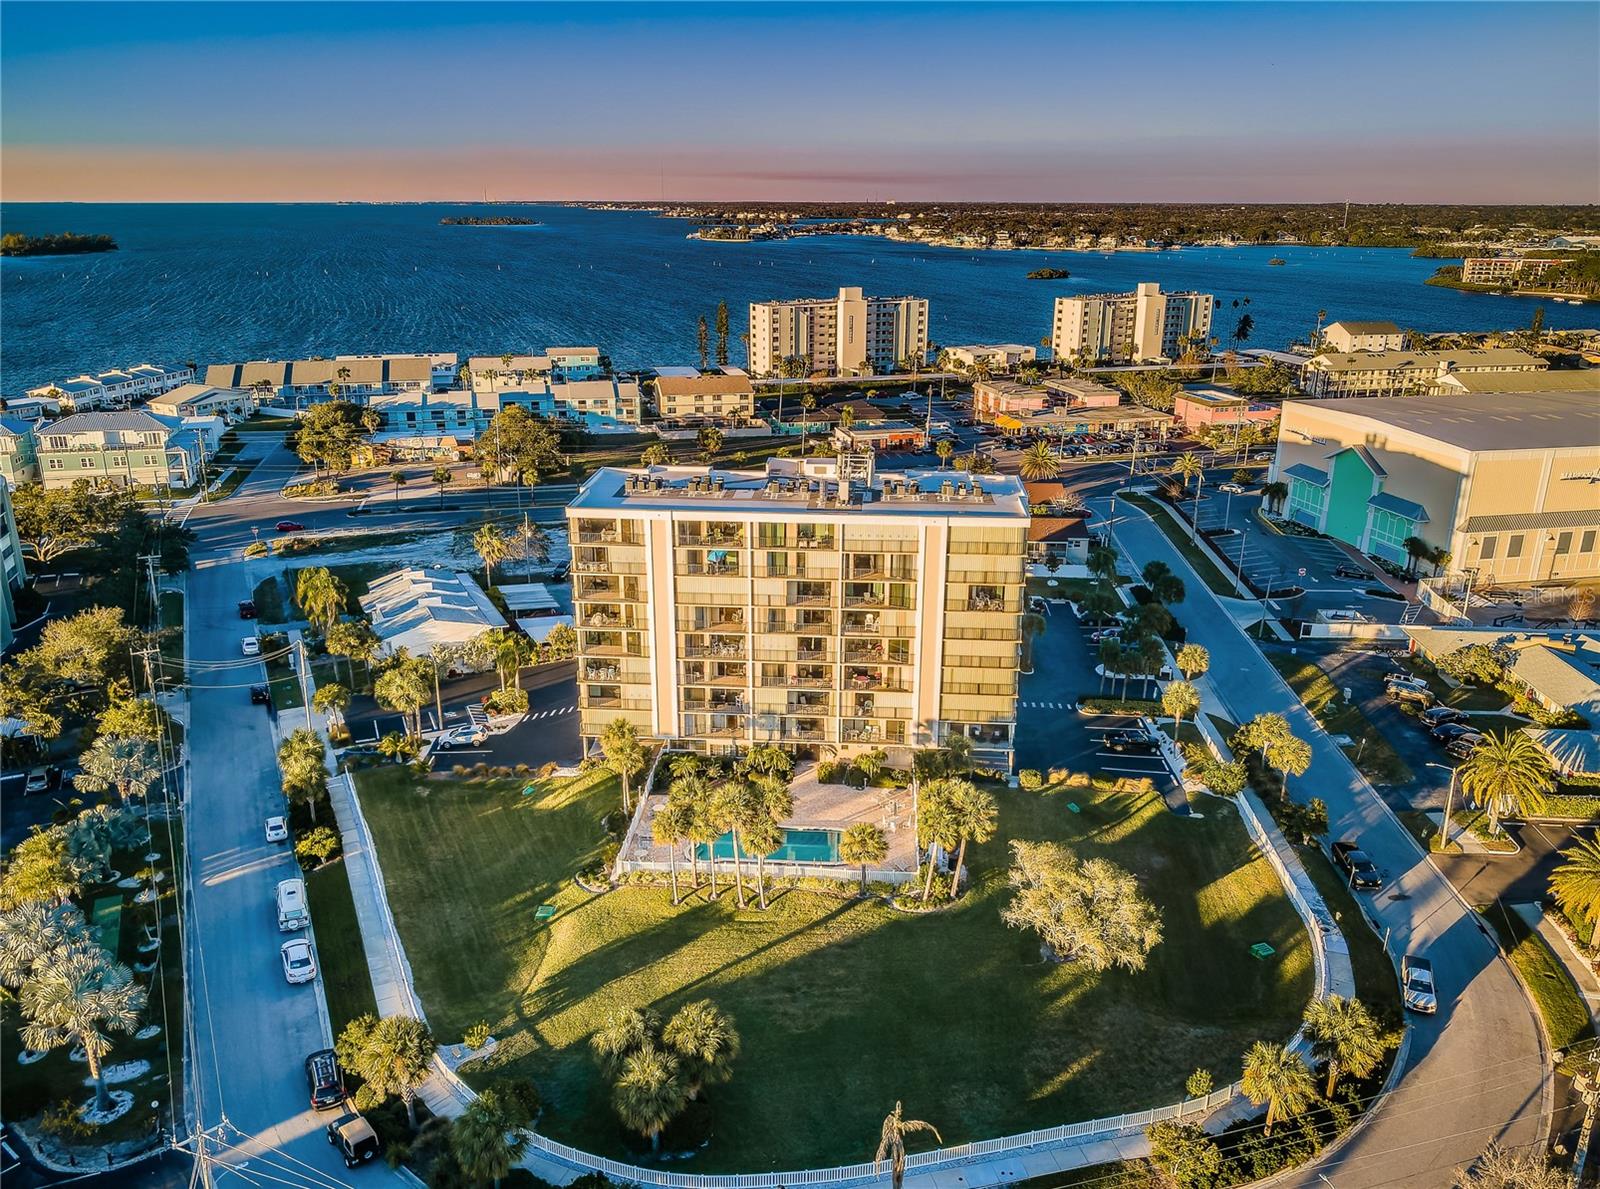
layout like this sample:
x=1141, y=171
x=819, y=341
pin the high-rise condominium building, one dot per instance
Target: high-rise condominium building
x=815, y=604
x=1145, y=326
x=838, y=335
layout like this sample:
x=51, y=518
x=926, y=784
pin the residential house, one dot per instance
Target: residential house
x=116, y=389
x=710, y=399
x=126, y=448
x=1408, y=373
x=993, y=358
x=19, y=461
x=424, y=609
x=298, y=382
x=202, y=400
x=1363, y=336
x=30, y=408
x=1195, y=407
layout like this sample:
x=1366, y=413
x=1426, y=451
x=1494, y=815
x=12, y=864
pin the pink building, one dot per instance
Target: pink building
x=1218, y=408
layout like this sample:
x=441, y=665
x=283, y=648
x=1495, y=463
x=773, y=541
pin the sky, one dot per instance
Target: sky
x=1200, y=102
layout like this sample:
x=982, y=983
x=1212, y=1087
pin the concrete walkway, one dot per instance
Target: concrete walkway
x=1579, y=967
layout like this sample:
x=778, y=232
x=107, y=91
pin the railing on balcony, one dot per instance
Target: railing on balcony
x=602, y=672
x=724, y=540
x=731, y=649
x=711, y=569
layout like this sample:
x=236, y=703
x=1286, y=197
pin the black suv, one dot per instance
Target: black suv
x=325, y=1080
x=247, y=609
x=1451, y=731
x=1363, y=872
x=260, y=695
x=1439, y=716
x=1130, y=741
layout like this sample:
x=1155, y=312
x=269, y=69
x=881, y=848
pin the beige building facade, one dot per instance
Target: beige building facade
x=1409, y=373
x=1509, y=486
x=850, y=334
x=830, y=613
x=1145, y=326
x=1363, y=336
x=1495, y=270
x=705, y=399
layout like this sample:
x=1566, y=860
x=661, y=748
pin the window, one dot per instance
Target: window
x=1306, y=502
x=1564, y=543
x=1514, y=546
x=1487, y=552
x=1586, y=542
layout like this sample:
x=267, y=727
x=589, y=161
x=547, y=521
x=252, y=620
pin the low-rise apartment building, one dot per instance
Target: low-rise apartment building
x=1508, y=487
x=120, y=388
x=718, y=398
x=1145, y=326
x=993, y=399
x=1500, y=270
x=846, y=335
x=30, y=408
x=304, y=381
x=202, y=400
x=994, y=358
x=1347, y=336
x=827, y=611
x=1078, y=392
x=1408, y=373
x=19, y=460
x=1197, y=407
x=130, y=448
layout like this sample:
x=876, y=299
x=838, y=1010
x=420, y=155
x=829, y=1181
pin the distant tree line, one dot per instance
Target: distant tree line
x=68, y=243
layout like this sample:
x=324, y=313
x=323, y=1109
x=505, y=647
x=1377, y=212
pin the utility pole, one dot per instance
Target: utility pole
x=151, y=560
x=305, y=690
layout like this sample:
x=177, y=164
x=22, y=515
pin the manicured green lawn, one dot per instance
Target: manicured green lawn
x=1376, y=982
x=844, y=1005
x=1197, y=557
x=345, y=976
x=1371, y=753
x=1566, y=1019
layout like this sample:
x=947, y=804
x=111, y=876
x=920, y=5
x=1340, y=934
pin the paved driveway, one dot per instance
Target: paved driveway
x=1475, y=1072
x=252, y=1030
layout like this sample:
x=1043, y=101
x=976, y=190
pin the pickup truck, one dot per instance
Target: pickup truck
x=1361, y=871
x=1416, y=982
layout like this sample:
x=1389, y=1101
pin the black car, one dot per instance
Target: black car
x=260, y=695
x=1460, y=749
x=1350, y=572
x=1440, y=716
x=1363, y=872
x=324, y=1080
x=1130, y=741
x=247, y=608
x=1451, y=731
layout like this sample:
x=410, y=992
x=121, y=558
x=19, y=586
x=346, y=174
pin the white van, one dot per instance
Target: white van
x=292, y=911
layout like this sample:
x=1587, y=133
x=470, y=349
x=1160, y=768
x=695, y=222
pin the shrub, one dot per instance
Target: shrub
x=1030, y=779
x=459, y=771
x=319, y=845
x=507, y=701
x=477, y=1035
x=315, y=488
x=256, y=549
x=1136, y=706
x=831, y=772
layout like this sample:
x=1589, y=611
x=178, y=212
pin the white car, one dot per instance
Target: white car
x=1231, y=488
x=251, y=645
x=298, y=964
x=466, y=735
x=277, y=829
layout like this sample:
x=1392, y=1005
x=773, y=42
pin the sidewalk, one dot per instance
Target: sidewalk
x=1577, y=965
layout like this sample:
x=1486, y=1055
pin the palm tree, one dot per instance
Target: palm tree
x=892, y=1143
x=1189, y=468
x=1033, y=626
x=731, y=804
x=494, y=546
x=392, y=1055
x=1416, y=549
x=1277, y=1076
x=936, y=826
x=761, y=838
x=1102, y=562
x=694, y=790
x=1110, y=660
x=1193, y=660
x=1290, y=755
x=321, y=597
x=973, y=814
x=1506, y=773
x=1345, y=1036
x=945, y=449
x=871, y=764
x=76, y=997
x=1179, y=699
x=706, y=1043
x=130, y=766
x=1576, y=882
x=1040, y=462
x=398, y=478
x=1275, y=493
x=649, y=1092
x=654, y=455
x=488, y=1137
x=34, y=934
x=864, y=844
x=959, y=747
x=441, y=479
x=807, y=403
x=621, y=1033
x=668, y=828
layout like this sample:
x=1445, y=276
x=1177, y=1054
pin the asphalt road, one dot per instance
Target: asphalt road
x=1475, y=1071
x=252, y=1030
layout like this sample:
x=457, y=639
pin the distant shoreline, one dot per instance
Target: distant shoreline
x=67, y=243
x=487, y=221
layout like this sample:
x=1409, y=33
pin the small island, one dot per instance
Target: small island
x=1049, y=274
x=68, y=243
x=487, y=221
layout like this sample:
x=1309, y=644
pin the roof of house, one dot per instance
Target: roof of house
x=1514, y=521
x=421, y=607
x=1365, y=327
x=497, y=363
x=1047, y=491
x=15, y=427
x=302, y=373
x=1566, y=675
x=192, y=392
x=1466, y=359
x=130, y=419
x=698, y=385
x=1307, y=473
x=1387, y=501
x=1482, y=423
x=1570, y=751
x=1058, y=528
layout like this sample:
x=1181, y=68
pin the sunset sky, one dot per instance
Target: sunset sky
x=1199, y=102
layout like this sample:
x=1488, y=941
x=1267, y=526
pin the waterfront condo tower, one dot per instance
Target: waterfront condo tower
x=815, y=604
x=1145, y=326
x=846, y=335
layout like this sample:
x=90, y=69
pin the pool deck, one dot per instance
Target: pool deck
x=827, y=807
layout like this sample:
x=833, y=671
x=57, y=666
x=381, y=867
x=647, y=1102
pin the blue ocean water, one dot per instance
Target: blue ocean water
x=221, y=283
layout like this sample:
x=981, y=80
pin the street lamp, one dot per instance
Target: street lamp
x=1449, y=797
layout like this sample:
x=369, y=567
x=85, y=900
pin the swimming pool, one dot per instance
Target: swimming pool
x=799, y=846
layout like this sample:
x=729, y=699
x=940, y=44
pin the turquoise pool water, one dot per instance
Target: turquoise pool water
x=799, y=846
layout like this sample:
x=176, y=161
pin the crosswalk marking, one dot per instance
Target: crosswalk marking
x=552, y=713
x=1046, y=705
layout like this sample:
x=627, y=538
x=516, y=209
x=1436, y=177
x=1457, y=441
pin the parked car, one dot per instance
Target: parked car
x=1103, y=634
x=1350, y=572
x=354, y=1138
x=1231, y=488
x=250, y=645
x=1408, y=693
x=1416, y=977
x=1362, y=871
x=1460, y=749
x=247, y=608
x=277, y=829
x=38, y=781
x=299, y=966
x=291, y=526
x=466, y=735
x=1404, y=679
x=260, y=695
x=1439, y=716
x=1451, y=731
x=324, y=1080
x=1130, y=741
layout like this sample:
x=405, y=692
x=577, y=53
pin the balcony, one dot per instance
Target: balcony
x=711, y=569
x=861, y=625
x=811, y=654
x=594, y=672
x=725, y=648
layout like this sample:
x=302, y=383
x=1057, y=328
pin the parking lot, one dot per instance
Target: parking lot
x=1051, y=733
